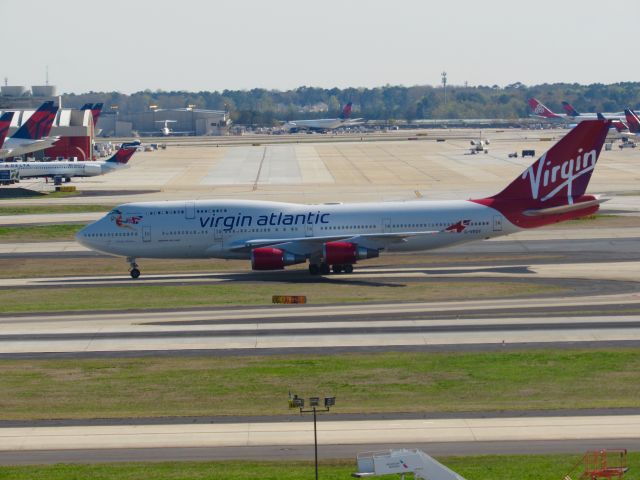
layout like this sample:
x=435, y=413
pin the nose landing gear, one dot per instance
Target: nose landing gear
x=133, y=271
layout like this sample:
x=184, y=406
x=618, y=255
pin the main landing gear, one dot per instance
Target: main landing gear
x=323, y=268
x=133, y=271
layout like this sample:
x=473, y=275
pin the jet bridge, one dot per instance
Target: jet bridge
x=403, y=461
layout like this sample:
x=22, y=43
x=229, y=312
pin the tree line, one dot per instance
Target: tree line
x=270, y=107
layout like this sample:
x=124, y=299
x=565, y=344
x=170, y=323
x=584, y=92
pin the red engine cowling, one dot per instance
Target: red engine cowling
x=270, y=258
x=346, y=253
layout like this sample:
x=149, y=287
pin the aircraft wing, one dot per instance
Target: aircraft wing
x=308, y=245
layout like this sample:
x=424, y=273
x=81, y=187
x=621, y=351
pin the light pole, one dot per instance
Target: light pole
x=444, y=86
x=314, y=403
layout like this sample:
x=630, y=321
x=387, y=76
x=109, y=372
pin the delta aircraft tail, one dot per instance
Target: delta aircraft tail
x=632, y=120
x=553, y=188
x=540, y=110
x=572, y=112
x=39, y=124
x=124, y=154
x=346, y=111
x=5, y=123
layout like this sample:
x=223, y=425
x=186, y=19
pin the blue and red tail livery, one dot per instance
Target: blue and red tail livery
x=123, y=155
x=5, y=123
x=346, y=111
x=39, y=124
x=87, y=106
x=632, y=120
x=95, y=112
x=572, y=112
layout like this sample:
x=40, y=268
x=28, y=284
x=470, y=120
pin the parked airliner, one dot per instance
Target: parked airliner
x=32, y=136
x=540, y=110
x=335, y=236
x=68, y=170
x=324, y=124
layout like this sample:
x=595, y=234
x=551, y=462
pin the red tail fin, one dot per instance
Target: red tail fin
x=632, y=120
x=540, y=110
x=123, y=155
x=5, y=123
x=346, y=111
x=558, y=178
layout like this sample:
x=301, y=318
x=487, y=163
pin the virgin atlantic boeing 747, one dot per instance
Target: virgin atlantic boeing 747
x=334, y=237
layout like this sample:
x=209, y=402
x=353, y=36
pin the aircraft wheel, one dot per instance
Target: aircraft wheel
x=348, y=269
x=324, y=269
x=135, y=273
x=337, y=268
x=314, y=269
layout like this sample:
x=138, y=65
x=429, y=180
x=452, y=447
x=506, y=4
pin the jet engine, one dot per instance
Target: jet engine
x=270, y=258
x=92, y=169
x=346, y=253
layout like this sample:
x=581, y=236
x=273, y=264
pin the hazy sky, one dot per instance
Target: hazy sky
x=208, y=45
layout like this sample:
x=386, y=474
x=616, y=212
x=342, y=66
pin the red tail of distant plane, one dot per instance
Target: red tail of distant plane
x=540, y=110
x=572, y=112
x=39, y=124
x=96, y=110
x=346, y=111
x=5, y=123
x=124, y=154
x=553, y=188
x=632, y=120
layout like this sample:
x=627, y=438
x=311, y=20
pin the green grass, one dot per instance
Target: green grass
x=46, y=209
x=488, y=467
x=380, y=382
x=39, y=233
x=143, y=296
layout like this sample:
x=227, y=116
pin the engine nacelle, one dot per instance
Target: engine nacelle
x=346, y=253
x=92, y=169
x=270, y=258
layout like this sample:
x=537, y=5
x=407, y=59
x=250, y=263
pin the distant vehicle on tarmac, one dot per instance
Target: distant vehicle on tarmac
x=334, y=237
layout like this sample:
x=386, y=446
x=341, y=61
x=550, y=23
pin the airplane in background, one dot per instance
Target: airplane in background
x=335, y=236
x=32, y=136
x=96, y=110
x=68, y=170
x=5, y=123
x=633, y=121
x=166, y=130
x=573, y=113
x=324, y=124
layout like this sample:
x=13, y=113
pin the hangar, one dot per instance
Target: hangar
x=185, y=121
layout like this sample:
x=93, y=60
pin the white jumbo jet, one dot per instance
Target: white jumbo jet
x=334, y=237
x=324, y=124
x=68, y=170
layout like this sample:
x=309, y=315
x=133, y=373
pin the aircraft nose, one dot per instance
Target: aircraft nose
x=82, y=237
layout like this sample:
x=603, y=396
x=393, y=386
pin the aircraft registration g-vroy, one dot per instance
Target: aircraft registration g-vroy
x=335, y=236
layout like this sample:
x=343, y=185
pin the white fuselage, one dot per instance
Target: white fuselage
x=63, y=169
x=317, y=124
x=224, y=228
x=14, y=147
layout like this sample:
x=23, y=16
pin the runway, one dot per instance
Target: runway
x=455, y=325
x=288, y=439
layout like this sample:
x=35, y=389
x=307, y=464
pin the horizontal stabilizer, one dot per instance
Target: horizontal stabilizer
x=564, y=208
